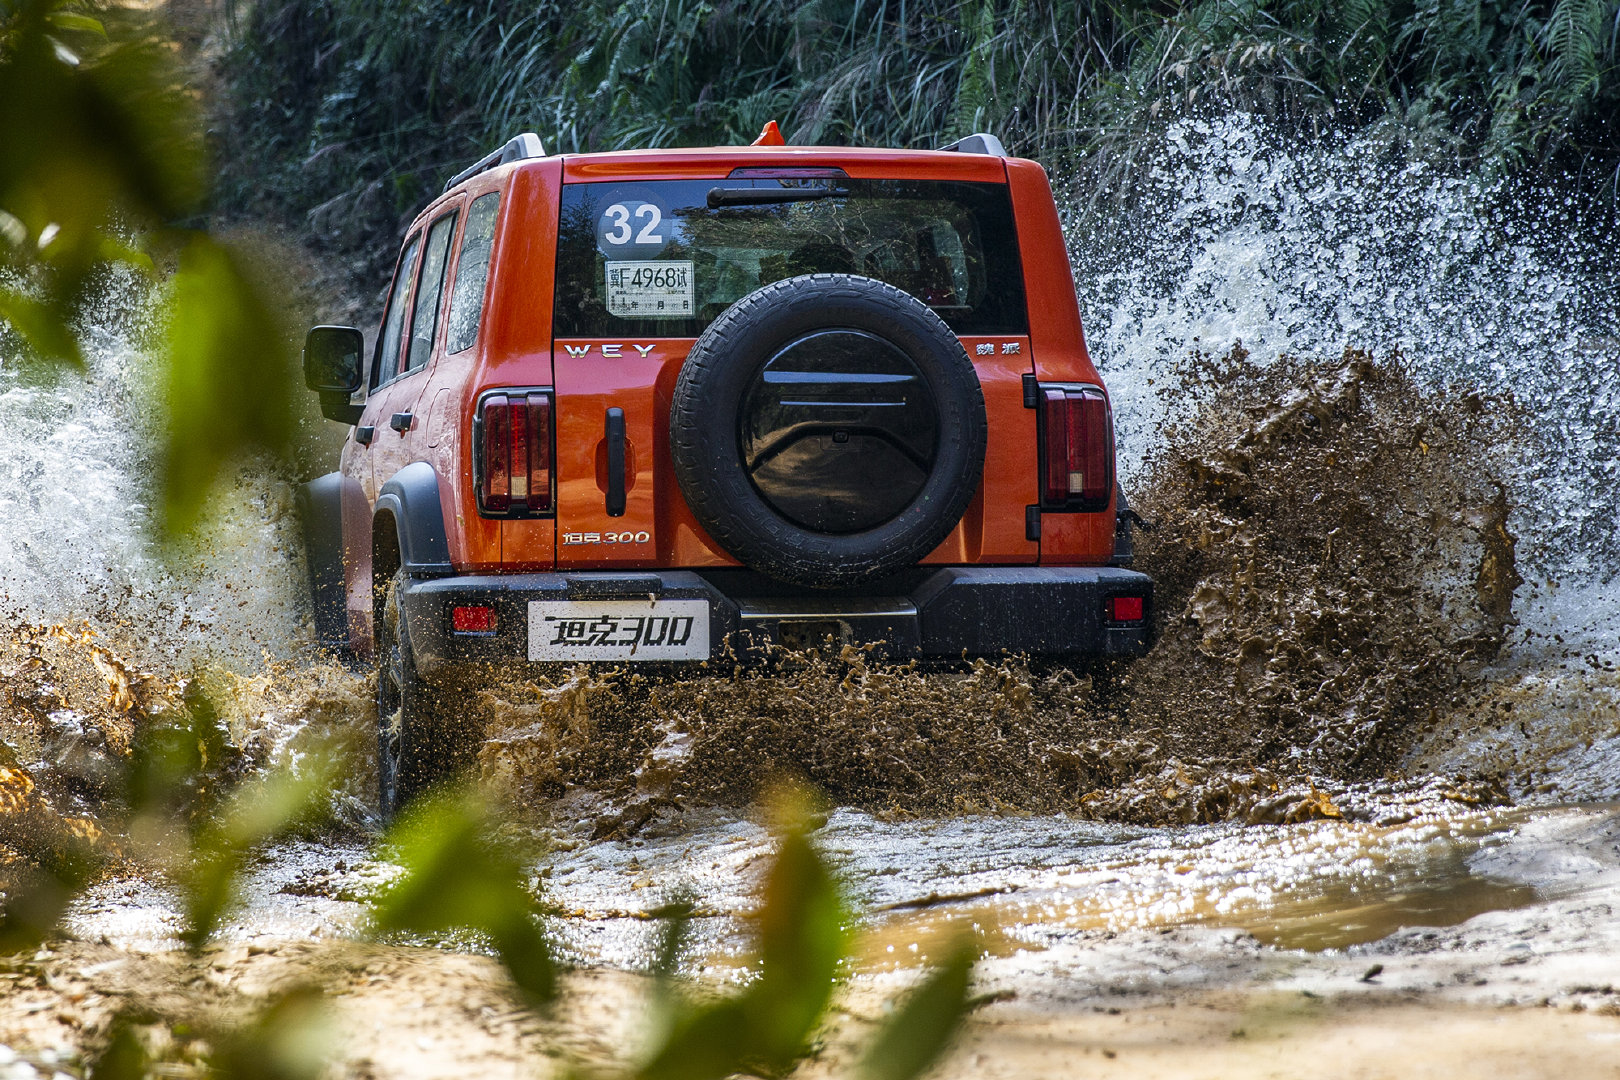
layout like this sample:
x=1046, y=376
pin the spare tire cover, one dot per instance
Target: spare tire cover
x=828, y=429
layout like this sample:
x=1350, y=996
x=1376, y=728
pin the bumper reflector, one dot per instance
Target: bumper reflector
x=472, y=620
x=1125, y=609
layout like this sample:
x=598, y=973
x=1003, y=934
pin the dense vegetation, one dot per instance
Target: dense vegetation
x=353, y=111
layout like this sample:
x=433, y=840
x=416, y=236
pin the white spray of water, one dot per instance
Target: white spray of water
x=76, y=484
x=1239, y=235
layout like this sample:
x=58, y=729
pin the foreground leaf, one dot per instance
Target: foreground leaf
x=230, y=375
x=767, y=1028
x=292, y=1039
x=458, y=876
x=260, y=813
x=917, y=1033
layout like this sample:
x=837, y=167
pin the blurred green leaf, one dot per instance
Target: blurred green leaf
x=33, y=901
x=40, y=325
x=103, y=161
x=920, y=1028
x=174, y=768
x=458, y=876
x=293, y=1038
x=230, y=375
x=69, y=20
x=55, y=858
x=263, y=811
x=766, y=1028
x=124, y=1057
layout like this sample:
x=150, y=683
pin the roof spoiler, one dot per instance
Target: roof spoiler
x=981, y=143
x=521, y=148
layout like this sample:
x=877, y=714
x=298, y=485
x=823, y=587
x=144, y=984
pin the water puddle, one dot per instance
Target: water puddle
x=1313, y=886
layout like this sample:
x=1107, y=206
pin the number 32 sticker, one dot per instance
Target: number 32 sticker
x=632, y=229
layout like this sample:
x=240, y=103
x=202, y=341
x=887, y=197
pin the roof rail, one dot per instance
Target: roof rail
x=521, y=148
x=981, y=143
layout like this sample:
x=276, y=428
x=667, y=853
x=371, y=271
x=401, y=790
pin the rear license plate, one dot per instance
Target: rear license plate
x=618, y=630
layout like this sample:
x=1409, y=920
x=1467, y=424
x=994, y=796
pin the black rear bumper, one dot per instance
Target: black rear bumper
x=944, y=613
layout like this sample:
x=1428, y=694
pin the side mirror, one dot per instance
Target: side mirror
x=333, y=369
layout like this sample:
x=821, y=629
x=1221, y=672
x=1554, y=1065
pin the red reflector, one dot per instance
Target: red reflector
x=1127, y=609
x=472, y=620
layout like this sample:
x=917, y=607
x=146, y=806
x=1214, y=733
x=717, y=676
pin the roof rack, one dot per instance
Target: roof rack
x=521, y=148
x=981, y=143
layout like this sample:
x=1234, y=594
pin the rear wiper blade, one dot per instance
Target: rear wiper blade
x=726, y=196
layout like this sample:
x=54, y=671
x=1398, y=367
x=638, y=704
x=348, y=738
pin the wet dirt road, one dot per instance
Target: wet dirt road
x=1454, y=942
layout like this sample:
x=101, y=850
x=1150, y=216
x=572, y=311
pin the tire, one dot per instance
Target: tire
x=834, y=492
x=417, y=744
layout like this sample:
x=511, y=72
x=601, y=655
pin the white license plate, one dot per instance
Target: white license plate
x=618, y=630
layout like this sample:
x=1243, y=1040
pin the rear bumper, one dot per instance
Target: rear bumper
x=945, y=613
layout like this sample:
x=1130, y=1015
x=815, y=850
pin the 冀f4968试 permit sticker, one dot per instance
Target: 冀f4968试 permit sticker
x=650, y=290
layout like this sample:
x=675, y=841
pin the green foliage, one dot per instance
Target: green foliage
x=265, y=810
x=918, y=1031
x=361, y=109
x=291, y=1037
x=458, y=876
x=765, y=1029
x=104, y=164
x=36, y=895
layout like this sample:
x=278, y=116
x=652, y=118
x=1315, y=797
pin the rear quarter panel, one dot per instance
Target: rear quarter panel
x=1058, y=348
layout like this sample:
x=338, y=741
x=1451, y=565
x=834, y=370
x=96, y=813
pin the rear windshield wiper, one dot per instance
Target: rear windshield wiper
x=747, y=196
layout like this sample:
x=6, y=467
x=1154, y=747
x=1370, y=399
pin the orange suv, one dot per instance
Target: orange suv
x=678, y=406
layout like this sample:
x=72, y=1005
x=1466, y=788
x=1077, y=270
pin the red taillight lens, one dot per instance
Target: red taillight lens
x=516, y=453
x=497, y=453
x=1078, y=452
x=472, y=620
x=1126, y=609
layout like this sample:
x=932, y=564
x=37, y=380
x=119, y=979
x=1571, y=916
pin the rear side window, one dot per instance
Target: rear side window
x=426, y=317
x=664, y=259
x=472, y=272
x=394, y=321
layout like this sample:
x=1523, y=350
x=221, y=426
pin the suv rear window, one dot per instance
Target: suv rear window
x=665, y=258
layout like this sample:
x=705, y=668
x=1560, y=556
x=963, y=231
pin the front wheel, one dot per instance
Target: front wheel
x=417, y=744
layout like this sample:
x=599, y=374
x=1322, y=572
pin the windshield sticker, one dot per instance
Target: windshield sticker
x=633, y=229
x=650, y=290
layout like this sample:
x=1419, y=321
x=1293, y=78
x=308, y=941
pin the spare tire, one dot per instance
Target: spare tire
x=827, y=430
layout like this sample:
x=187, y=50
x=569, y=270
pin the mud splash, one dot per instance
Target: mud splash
x=1333, y=568
x=1332, y=558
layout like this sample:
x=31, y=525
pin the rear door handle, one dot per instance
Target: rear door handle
x=400, y=422
x=615, y=462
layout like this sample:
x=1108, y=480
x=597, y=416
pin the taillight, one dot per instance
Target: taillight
x=514, y=453
x=1077, y=454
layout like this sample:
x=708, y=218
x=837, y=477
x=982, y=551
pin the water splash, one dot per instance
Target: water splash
x=1499, y=288
x=1239, y=235
x=76, y=488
